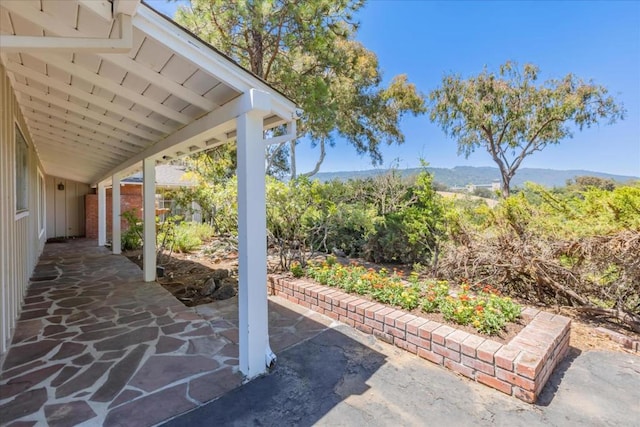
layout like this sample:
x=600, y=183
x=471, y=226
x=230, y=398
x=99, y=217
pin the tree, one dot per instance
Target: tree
x=512, y=116
x=306, y=49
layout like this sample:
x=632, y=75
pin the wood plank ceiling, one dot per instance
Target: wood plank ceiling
x=88, y=112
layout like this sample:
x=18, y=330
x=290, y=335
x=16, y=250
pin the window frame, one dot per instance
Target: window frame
x=23, y=193
x=42, y=203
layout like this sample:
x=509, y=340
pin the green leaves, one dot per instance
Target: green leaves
x=306, y=49
x=512, y=116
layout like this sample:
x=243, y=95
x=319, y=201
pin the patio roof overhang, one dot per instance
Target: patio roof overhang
x=109, y=87
x=105, y=84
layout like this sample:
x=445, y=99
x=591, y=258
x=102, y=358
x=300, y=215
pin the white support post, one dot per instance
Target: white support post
x=149, y=218
x=102, y=214
x=115, y=217
x=255, y=353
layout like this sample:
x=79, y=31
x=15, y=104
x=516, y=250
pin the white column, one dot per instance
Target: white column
x=149, y=218
x=252, y=247
x=115, y=217
x=102, y=214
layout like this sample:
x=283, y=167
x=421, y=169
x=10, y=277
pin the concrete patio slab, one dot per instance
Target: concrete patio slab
x=342, y=377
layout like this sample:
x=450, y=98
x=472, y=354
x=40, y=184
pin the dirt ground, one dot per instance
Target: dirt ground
x=185, y=275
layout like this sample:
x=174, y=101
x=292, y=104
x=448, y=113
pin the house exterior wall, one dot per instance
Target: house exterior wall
x=65, y=208
x=130, y=198
x=22, y=234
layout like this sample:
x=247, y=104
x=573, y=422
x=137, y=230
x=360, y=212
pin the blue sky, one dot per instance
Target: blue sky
x=597, y=40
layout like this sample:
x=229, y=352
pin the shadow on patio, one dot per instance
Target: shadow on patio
x=95, y=344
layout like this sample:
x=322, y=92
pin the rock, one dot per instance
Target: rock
x=209, y=287
x=225, y=292
x=338, y=252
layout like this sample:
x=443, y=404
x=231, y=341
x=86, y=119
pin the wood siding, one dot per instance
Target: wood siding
x=65, y=208
x=21, y=241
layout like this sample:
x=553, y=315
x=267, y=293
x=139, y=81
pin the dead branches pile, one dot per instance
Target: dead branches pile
x=598, y=275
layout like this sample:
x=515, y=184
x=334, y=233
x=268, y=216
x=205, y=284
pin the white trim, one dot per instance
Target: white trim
x=42, y=203
x=123, y=44
x=21, y=214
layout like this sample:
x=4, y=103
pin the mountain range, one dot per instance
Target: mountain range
x=460, y=176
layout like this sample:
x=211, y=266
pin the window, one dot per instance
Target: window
x=41, y=203
x=22, y=153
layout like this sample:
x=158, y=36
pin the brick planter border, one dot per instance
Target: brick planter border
x=519, y=368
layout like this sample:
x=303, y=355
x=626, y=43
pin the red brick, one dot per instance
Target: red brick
x=342, y=312
x=438, y=336
x=425, y=330
x=353, y=305
x=364, y=328
x=446, y=352
x=356, y=317
x=331, y=314
x=390, y=318
x=529, y=313
x=455, y=339
x=470, y=345
x=380, y=314
x=524, y=395
x=411, y=348
x=431, y=356
x=517, y=380
x=478, y=365
x=412, y=327
x=371, y=311
x=394, y=331
x=304, y=304
x=420, y=342
x=505, y=357
x=344, y=303
x=403, y=321
x=345, y=319
x=374, y=324
x=383, y=336
x=493, y=382
x=487, y=349
x=460, y=369
x=528, y=365
x=360, y=309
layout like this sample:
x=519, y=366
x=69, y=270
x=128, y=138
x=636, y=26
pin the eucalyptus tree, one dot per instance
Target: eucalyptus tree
x=512, y=115
x=307, y=50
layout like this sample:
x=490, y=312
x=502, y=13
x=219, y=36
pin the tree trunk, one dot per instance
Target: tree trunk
x=506, y=181
x=294, y=173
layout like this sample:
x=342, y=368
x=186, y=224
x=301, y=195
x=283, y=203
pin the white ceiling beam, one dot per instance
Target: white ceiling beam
x=160, y=80
x=110, y=85
x=11, y=43
x=62, y=156
x=124, y=138
x=86, y=149
x=128, y=7
x=199, y=130
x=72, y=129
x=102, y=8
x=86, y=96
x=74, y=136
x=27, y=90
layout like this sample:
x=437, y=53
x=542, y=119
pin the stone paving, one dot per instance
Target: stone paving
x=96, y=345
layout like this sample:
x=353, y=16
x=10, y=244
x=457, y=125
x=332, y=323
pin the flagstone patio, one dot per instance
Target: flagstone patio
x=96, y=345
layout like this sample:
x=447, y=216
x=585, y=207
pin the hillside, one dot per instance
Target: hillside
x=463, y=175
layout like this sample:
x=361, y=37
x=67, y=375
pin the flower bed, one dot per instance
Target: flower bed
x=519, y=368
x=485, y=309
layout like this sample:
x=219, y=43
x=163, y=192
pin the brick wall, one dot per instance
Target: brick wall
x=519, y=368
x=130, y=198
